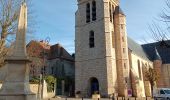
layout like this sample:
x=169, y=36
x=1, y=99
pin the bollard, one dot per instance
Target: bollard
x=66, y=98
x=123, y=98
x=82, y=98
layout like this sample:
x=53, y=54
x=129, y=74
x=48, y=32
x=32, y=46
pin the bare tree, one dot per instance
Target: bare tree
x=9, y=11
x=165, y=15
x=151, y=76
x=3, y=53
x=160, y=27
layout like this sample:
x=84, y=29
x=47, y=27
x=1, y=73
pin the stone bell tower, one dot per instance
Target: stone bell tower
x=122, y=59
x=157, y=64
x=95, y=58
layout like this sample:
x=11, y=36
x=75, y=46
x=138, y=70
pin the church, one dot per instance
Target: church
x=107, y=61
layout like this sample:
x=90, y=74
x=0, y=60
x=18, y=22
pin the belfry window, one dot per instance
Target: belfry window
x=93, y=10
x=88, y=12
x=91, y=39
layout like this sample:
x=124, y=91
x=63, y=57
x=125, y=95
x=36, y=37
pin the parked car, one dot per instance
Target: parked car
x=161, y=94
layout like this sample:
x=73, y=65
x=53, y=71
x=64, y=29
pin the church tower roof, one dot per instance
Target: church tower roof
x=118, y=10
x=157, y=56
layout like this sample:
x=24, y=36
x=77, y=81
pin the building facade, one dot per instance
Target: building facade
x=106, y=60
x=52, y=60
x=61, y=65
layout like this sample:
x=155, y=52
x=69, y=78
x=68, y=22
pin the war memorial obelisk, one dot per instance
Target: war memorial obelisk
x=16, y=83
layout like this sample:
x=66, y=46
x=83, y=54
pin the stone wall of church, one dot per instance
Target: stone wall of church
x=3, y=73
x=110, y=48
x=157, y=65
x=166, y=75
x=140, y=85
x=122, y=60
x=97, y=62
x=83, y=76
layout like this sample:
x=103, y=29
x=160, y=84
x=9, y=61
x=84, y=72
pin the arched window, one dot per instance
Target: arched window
x=139, y=70
x=91, y=39
x=113, y=39
x=93, y=10
x=113, y=12
x=124, y=50
x=125, y=65
x=88, y=12
x=144, y=69
x=110, y=11
x=122, y=26
x=123, y=39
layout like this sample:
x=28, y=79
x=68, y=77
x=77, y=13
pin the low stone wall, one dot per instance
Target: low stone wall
x=34, y=89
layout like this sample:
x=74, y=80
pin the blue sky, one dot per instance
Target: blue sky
x=56, y=19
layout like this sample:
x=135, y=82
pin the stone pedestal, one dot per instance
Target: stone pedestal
x=16, y=83
x=17, y=97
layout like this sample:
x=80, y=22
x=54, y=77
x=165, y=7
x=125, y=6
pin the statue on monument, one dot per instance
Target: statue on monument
x=16, y=83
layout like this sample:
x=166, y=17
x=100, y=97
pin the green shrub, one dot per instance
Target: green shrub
x=50, y=82
x=34, y=80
